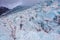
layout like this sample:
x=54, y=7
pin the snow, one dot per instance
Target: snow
x=37, y=24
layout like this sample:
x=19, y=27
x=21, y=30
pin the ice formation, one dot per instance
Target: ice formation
x=40, y=22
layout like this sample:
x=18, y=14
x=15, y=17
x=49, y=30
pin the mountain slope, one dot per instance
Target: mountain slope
x=3, y=10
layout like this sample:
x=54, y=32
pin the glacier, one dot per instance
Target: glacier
x=39, y=22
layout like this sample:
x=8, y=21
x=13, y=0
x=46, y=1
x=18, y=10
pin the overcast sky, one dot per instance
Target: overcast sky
x=14, y=3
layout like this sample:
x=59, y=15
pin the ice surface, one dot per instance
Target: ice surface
x=38, y=23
